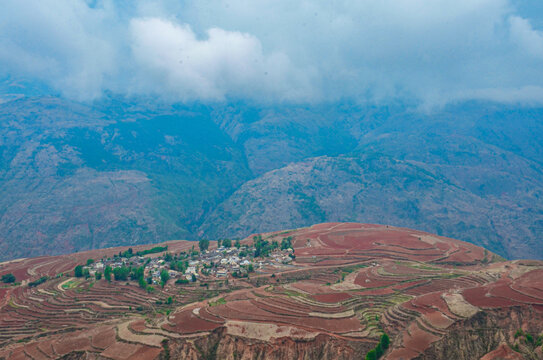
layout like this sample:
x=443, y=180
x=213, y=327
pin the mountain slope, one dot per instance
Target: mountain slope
x=378, y=189
x=126, y=171
x=75, y=178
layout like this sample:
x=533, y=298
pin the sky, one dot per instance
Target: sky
x=429, y=51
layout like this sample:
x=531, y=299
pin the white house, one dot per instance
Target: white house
x=191, y=270
x=222, y=273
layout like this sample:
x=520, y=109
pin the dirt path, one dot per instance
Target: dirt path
x=124, y=333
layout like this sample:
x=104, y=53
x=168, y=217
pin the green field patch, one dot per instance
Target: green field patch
x=421, y=266
x=71, y=284
x=220, y=301
x=352, y=268
x=292, y=293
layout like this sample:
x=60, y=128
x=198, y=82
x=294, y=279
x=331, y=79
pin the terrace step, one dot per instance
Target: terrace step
x=423, y=324
x=406, y=312
x=396, y=318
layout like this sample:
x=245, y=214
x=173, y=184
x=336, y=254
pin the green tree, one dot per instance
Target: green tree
x=8, y=278
x=169, y=300
x=164, y=277
x=107, y=273
x=227, y=243
x=142, y=283
x=203, y=244
x=237, y=244
x=98, y=275
x=193, y=278
x=385, y=341
x=137, y=273
x=121, y=273
x=286, y=243
x=90, y=261
x=78, y=271
x=371, y=355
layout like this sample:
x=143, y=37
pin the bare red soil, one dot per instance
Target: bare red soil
x=349, y=282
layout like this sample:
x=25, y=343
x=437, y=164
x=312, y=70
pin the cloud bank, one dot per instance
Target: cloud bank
x=431, y=51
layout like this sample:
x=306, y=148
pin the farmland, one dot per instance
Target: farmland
x=347, y=285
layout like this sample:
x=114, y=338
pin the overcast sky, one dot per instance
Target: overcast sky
x=431, y=51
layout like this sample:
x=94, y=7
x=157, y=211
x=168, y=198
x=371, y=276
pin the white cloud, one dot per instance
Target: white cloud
x=223, y=64
x=62, y=42
x=528, y=39
x=527, y=95
x=433, y=51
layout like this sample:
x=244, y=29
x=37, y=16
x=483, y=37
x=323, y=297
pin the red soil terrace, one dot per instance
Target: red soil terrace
x=349, y=282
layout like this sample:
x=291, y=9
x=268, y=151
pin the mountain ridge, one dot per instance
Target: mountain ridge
x=190, y=163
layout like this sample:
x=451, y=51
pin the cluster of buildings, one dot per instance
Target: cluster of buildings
x=217, y=263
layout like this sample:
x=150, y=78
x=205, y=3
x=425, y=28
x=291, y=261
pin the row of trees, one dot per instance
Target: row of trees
x=263, y=247
x=227, y=243
x=123, y=273
x=130, y=252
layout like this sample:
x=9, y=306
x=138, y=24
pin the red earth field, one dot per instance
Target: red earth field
x=349, y=284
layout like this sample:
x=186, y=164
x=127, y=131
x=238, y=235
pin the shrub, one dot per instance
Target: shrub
x=154, y=250
x=8, y=278
x=38, y=282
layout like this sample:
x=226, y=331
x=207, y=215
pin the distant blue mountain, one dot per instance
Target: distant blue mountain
x=118, y=171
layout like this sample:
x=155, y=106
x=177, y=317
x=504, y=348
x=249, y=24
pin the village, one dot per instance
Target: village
x=156, y=266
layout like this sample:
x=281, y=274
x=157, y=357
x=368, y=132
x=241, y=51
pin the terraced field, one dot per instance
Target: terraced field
x=349, y=284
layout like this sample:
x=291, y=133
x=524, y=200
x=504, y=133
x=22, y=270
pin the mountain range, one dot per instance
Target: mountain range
x=124, y=171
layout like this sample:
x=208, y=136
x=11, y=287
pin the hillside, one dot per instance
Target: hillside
x=73, y=178
x=133, y=171
x=348, y=285
x=382, y=189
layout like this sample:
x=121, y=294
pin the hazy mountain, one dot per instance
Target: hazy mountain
x=75, y=178
x=79, y=176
